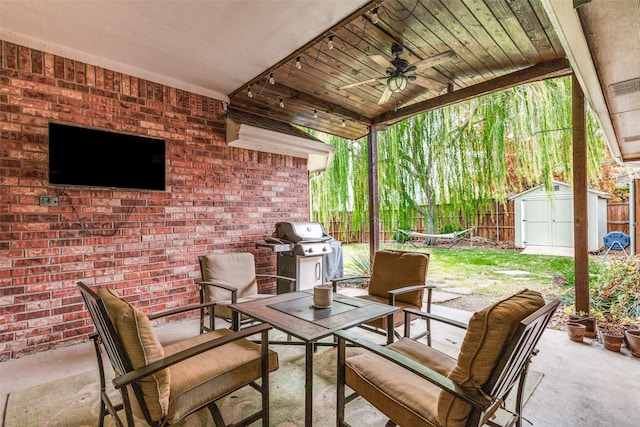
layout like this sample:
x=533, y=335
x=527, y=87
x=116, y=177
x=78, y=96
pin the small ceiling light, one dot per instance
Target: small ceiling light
x=374, y=16
x=272, y=80
x=344, y=122
x=249, y=93
x=330, y=43
x=298, y=63
x=315, y=114
x=397, y=82
x=281, y=103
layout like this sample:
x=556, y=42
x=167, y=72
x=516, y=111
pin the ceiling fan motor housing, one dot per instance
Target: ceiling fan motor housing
x=400, y=64
x=396, y=50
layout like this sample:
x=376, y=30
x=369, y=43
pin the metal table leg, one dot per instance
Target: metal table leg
x=390, y=329
x=308, y=383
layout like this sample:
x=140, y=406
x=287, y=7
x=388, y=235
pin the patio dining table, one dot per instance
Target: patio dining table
x=294, y=314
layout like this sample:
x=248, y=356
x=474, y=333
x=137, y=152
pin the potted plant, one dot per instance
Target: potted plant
x=615, y=298
x=585, y=319
x=633, y=341
x=576, y=331
x=611, y=334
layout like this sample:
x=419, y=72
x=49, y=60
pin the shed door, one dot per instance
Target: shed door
x=562, y=218
x=536, y=218
x=548, y=223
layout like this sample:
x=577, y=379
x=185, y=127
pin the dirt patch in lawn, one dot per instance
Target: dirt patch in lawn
x=471, y=302
x=476, y=302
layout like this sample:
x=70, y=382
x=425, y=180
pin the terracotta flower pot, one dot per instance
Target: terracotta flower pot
x=576, y=331
x=611, y=342
x=633, y=341
x=588, y=321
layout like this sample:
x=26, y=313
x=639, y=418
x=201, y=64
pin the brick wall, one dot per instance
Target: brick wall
x=143, y=243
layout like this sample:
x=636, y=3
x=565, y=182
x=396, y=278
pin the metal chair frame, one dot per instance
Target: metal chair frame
x=209, y=309
x=511, y=369
x=107, y=338
x=392, y=299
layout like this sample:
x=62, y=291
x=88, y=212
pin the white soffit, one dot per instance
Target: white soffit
x=210, y=47
x=567, y=24
x=318, y=154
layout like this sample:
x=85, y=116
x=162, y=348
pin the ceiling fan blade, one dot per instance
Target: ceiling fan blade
x=380, y=60
x=359, y=83
x=385, y=95
x=435, y=60
x=431, y=84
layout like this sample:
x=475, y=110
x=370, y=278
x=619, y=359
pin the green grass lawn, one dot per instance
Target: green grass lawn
x=489, y=273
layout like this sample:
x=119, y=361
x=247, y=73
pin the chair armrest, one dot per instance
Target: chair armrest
x=431, y=316
x=179, y=310
x=394, y=292
x=334, y=282
x=275, y=276
x=407, y=289
x=233, y=290
x=472, y=396
x=163, y=363
x=291, y=280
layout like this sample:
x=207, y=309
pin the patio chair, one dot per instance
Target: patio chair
x=228, y=278
x=416, y=385
x=397, y=278
x=165, y=384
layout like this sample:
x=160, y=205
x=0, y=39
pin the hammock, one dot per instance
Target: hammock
x=456, y=236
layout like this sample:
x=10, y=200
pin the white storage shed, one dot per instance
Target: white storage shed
x=543, y=219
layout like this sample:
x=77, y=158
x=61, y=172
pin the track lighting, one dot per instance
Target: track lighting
x=330, y=43
x=344, y=122
x=315, y=114
x=249, y=93
x=272, y=80
x=281, y=103
x=298, y=63
x=374, y=16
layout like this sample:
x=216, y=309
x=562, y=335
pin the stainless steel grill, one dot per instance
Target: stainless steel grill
x=300, y=248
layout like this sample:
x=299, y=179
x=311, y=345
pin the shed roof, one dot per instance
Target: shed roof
x=599, y=193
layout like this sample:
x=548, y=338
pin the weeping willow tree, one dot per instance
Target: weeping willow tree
x=450, y=164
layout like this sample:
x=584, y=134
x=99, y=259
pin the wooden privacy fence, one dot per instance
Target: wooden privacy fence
x=497, y=226
x=618, y=216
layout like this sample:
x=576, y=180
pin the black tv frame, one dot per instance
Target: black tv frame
x=89, y=157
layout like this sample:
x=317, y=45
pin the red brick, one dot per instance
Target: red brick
x=217, y=199
x=12, y=309
x=33, y=315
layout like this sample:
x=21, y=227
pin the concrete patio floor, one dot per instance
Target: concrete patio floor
x=583, y=384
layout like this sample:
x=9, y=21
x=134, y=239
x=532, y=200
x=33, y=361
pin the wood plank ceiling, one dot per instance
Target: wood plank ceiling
x=469, y=48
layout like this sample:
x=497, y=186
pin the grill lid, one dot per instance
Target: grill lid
x=300, y=231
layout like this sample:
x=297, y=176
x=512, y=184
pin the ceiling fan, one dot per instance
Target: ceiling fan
x=396, y=76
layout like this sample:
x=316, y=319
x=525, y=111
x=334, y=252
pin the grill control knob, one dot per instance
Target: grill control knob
x=310, y=250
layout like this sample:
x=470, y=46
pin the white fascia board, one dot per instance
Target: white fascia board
x=566, y=22
x=318, y=154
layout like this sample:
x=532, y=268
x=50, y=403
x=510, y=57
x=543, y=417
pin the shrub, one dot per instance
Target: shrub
x=615, y=291
x=451, y=228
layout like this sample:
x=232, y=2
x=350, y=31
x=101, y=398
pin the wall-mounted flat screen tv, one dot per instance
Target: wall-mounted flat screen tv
x=98, y=158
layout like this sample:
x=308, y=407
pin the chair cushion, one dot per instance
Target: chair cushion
x=236, y=269
x=213, y=374
x=488, y=331
x=396, y=269
x=402, y=396
x=425, y=355
x=142, y=347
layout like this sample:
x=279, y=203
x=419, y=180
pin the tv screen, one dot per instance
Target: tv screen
x=98, y=158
